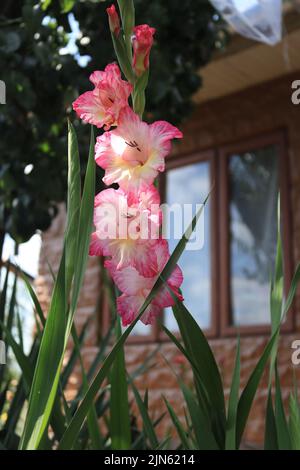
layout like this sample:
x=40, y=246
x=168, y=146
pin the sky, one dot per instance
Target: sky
x=28, y=257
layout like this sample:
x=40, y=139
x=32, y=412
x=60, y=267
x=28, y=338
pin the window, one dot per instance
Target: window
x=227, y=282
x=253, y=187
x=250, y=175
x=189, y=182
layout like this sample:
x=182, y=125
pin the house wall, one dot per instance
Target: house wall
x=244, y=115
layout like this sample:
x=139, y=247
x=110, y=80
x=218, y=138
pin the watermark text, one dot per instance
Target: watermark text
x=296, y=93
x=2, y=92
x=296, y=353
x=2, y=352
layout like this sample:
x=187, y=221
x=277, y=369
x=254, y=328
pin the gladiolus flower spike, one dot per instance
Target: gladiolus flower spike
x=128, y=220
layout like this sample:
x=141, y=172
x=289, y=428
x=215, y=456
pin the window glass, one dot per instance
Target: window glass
x=253, y=186
x=190, y=185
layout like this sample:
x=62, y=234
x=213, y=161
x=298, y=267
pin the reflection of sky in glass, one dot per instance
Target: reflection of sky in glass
x=253, y=184
x=190, y=185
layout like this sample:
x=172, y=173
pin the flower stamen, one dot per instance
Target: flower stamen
x=133, y=144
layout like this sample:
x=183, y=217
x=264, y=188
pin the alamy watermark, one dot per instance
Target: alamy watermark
x=2, y=353
x=296, y=353
x=2, y=92
x=120, y=222
x=296, y=93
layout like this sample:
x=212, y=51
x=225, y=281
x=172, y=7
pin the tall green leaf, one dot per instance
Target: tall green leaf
x=92, y=421
x=249, y=391
x=21, y=358
x=35, y=300
x=230, y=442
x=204, y=435
x=248, y=394
x=185, y=442
x=284, y=441
x=68, y=368
x=277, y=293
x=271, y=441
x=147, y=424
x=292, y=291
x=46, y=374
x=84, y=229
x=78, y=419
x=127, y=16
x=119, y=408
x=58, y=323
x=3, y=295
x=73, y=204
x=199, y=350
x=294, y=422
x=25, y=363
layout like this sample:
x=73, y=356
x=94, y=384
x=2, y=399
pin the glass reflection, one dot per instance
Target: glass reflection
x=253, y=183
x=190, y=185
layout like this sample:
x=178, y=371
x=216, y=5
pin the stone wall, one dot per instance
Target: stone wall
x=247, y=114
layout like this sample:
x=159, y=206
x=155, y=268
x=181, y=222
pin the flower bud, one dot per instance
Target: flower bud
x=142, y=43
x=114, y=20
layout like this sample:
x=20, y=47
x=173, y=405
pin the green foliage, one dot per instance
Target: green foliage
x=230, y=441
x=119, y=407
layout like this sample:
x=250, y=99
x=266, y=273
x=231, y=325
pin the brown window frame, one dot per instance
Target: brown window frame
x=220, y=238
x=278, y=139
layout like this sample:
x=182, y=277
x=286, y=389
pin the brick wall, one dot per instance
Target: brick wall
x=254, y=111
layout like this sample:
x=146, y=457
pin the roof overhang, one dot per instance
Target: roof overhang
x=245, y=63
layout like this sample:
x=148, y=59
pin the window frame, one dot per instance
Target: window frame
x=278, y=139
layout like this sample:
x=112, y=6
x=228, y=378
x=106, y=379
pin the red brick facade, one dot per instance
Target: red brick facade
x=244, y=115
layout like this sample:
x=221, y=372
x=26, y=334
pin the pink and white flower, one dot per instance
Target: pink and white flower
x=127, y=228
x=102, y=106
x=133, y=154
x=135, y=288
x=142, y=42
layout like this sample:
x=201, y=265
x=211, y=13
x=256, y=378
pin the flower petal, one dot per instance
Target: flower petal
x=128, y=280
x=128, y=308
x=89, y=108
x=103, y=105
x=95, y=246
